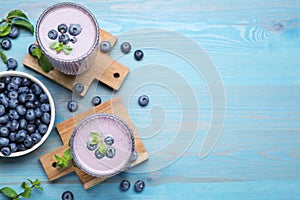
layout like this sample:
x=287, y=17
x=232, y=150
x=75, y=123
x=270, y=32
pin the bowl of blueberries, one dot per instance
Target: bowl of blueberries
x=27, y=113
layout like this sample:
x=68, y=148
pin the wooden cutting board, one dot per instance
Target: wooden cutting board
x=65, y=129
x=105, y=69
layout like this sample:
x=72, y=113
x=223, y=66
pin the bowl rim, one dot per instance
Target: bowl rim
x=52, y=107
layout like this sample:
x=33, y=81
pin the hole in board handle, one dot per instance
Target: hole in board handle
x=54, y=164
x=116, y=75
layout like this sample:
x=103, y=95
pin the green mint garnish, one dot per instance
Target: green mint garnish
x=44, y=62
x=16, y=18
x=58, y=47
x=3, y=56
x=63, y=162
x=12, y=194
x=102, y=148
x=95, y=138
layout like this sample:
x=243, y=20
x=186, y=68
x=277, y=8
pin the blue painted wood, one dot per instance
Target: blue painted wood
x=255, y=48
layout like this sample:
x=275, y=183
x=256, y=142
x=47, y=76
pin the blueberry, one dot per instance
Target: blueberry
x=21, y=110
x=2, y=86
x=13, y=103
x=73, y=40
x=11, y=64
x=36, y=137
x=37, y=122
x=139, y=186
x=62, y=28
x=75, y=29
x=105, y=46
x=42, y=128
x=91, y=147
x=96, y=100
x=14, y=125
x=38, y=112
x=13, y=94
x=13, y=147
x=36, y=89
x=4, y=100
x=125, y=47
x=26, y=82
x=21, y=147
x=29, y=105
x=46, y=118
x=28, y=142
x=72, y=106
x=110, y=152
x=14, y=32
x=98, y=155
x=109, y=140
x=21, y=135
x=17, y=80
x=12, y=137
x=23, y=89
x=52, y=34
x=134, y=156
x=4, y=142
x=12, y=86
x=5, y=151
x=78, y=88
x=22, y=97
x=23, y=124
x=4, y=119
x=30, y=114
x=13, y=114
x=138, y=55
x=7, y=79
x=4, y=131
x=64, y=38
x=45, y=107
x=43, y=98
x=2, y=110
x=143, y=100
x=31, y=48
x=124, y=185
x=6, y=44
x=67, y=195
x=37, y=104
x=31, y=128
x=31, y=97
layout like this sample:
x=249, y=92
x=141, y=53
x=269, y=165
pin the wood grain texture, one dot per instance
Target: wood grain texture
x=255, y=48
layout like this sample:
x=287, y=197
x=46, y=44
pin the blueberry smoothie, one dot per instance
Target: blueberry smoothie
x=74, y=28
x=102, y=145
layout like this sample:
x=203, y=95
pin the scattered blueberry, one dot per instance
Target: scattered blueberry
x=52, y=34
x=73, y=40
x=110, y=152
x=143, y=100
x=72, y=105
x=96, y=100
x=125, y=47
x=78, y=88
x=138, y=55
x=62, y=28
x=124, y=185
x=105, y=46
x=91, y=147
x=75, y=29
x=5, y=151
x=134, y=156
x=109, y=140
x=98, y=155
x=31, y=48
x=139, y=186
x=67, y=195
x=6, y=44
x=14, y=32
x=64, y=38
x=11, y=64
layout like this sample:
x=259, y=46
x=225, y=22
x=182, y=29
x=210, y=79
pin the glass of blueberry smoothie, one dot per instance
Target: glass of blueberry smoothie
x=68, y=34
x=102, y=145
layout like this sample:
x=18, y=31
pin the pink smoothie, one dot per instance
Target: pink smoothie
x=105, y=125
x=68, y=14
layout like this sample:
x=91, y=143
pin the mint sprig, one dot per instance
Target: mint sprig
x=26, y=193
x=3, y=57
x=95, y=138
x=102, y=148
x=63, y=162
x=15, y=18
x=43, y=61
x=59, y=46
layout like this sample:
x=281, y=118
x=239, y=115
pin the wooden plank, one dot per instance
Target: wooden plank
x=105, y=69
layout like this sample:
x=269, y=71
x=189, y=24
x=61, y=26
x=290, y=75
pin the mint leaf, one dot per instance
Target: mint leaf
x=37, y=52
x=3, y=57
x=102, y=148
x=54, y=45
x=95, y=138
x=9, y=192
x=3, y=26
x=67, y=49
x=25, y=185
x=23, y=23
x=5, y=30
x=68, y=155
x=45, y=64
x=27, y=192
x=16, y=13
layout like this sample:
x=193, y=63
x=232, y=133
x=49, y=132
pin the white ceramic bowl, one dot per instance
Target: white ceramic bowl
x=52, y=107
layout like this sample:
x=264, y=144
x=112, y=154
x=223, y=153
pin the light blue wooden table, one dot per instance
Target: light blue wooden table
x=222, y=123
